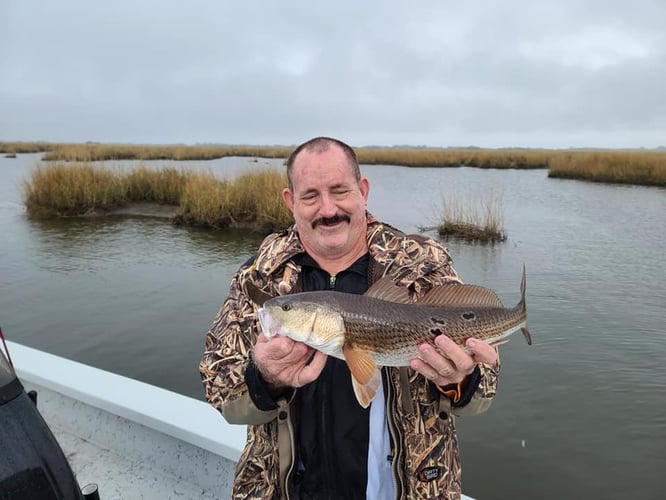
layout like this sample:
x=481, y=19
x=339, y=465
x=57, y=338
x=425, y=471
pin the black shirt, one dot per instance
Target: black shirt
x=333, y=429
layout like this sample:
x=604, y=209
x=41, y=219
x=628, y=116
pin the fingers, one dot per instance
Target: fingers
x=455, y=355
x=482, y=352
x=283, y=362
x=437, y=368
x=447, y=363
x=311, y=371
x=277, y=348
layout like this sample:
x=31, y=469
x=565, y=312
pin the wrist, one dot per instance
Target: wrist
x=461, y=393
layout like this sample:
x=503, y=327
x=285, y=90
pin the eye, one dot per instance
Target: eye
x=286, y=306
x=309, y=197
x=340, y=193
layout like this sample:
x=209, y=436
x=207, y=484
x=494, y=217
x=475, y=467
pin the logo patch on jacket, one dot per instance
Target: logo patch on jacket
x=428, y=474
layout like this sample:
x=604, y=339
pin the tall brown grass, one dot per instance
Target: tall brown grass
x=476, y=218
x=431, y=157
x=105, y=152
x=626, y=167
x=617, y=166
x=253, y=200
x=12, y=148
x=72, y=190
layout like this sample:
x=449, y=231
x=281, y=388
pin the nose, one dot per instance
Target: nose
x=328, y=207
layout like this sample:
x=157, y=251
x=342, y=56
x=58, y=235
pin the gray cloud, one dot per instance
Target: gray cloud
x=439, y=73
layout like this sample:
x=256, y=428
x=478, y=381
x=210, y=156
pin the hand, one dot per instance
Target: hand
x=449, y=363
x=283, y=362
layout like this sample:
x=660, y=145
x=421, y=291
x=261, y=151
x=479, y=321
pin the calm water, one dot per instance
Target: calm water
x=579, y=414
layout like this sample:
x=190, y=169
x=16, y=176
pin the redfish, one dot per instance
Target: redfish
x=384, y=327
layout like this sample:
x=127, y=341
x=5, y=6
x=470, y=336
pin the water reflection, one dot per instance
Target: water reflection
x=82, y=244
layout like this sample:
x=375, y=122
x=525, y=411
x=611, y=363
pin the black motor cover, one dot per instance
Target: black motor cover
x=32, y=464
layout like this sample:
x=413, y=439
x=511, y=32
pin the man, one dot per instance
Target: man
x=307, y=435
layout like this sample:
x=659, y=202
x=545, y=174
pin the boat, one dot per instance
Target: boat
x=99, y=435
x=124, y=439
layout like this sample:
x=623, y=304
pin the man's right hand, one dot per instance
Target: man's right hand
x=283, y=362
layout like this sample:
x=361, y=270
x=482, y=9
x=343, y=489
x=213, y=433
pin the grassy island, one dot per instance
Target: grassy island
x=478, y=218
x=252, y=200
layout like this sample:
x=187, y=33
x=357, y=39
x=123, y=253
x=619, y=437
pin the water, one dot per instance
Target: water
x=579, y=414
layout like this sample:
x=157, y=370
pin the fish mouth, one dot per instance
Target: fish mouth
x=266, y=324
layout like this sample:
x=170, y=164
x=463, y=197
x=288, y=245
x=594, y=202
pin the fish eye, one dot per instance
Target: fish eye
x=286, y=306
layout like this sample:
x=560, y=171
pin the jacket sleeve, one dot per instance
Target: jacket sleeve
x=483, y=395
x=226, y=358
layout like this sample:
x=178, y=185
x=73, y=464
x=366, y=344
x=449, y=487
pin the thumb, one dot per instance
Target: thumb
x=312, y=370
x=482, y=352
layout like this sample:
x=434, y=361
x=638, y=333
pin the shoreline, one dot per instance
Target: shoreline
x=139, y=209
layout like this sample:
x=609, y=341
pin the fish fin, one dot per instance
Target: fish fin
x=386, y=289
x=499, y=342
x=366, y=393
x=361, y=363
x=526, y=334
x=365, y=374
x=459, y=295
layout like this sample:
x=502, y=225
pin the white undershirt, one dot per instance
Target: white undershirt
x=380, y=478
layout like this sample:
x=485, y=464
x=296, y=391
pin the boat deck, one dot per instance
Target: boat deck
x=124, y=478
x=134, y=440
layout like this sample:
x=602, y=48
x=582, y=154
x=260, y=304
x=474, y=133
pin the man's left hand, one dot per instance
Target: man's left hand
x=449, y=363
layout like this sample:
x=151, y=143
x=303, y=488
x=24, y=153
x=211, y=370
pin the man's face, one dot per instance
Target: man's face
x=328, y=204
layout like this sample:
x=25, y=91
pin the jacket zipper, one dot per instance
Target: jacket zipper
x=292, y=442
x=396, y=442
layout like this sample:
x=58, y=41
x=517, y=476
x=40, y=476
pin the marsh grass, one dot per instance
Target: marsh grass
x=105, y=152
x=253, y=200
x=68, y=190
x=410, y=157
x=623, y=167
x=163, y=186
x=13, y=148
x=479, y=218
x=430, y=157
x=643, y=167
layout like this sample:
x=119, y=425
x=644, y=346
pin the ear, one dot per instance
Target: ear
x=364, y=187
x=288, y=198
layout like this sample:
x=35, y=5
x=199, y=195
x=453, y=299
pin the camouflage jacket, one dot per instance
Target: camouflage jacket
x=421, y=422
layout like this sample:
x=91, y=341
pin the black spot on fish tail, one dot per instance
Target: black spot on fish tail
x=438, y=321
x=435, y=331
x=468, y=315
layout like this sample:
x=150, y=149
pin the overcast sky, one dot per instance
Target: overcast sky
x=556, y=74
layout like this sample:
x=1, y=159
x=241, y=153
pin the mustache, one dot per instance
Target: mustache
x=329, y=221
